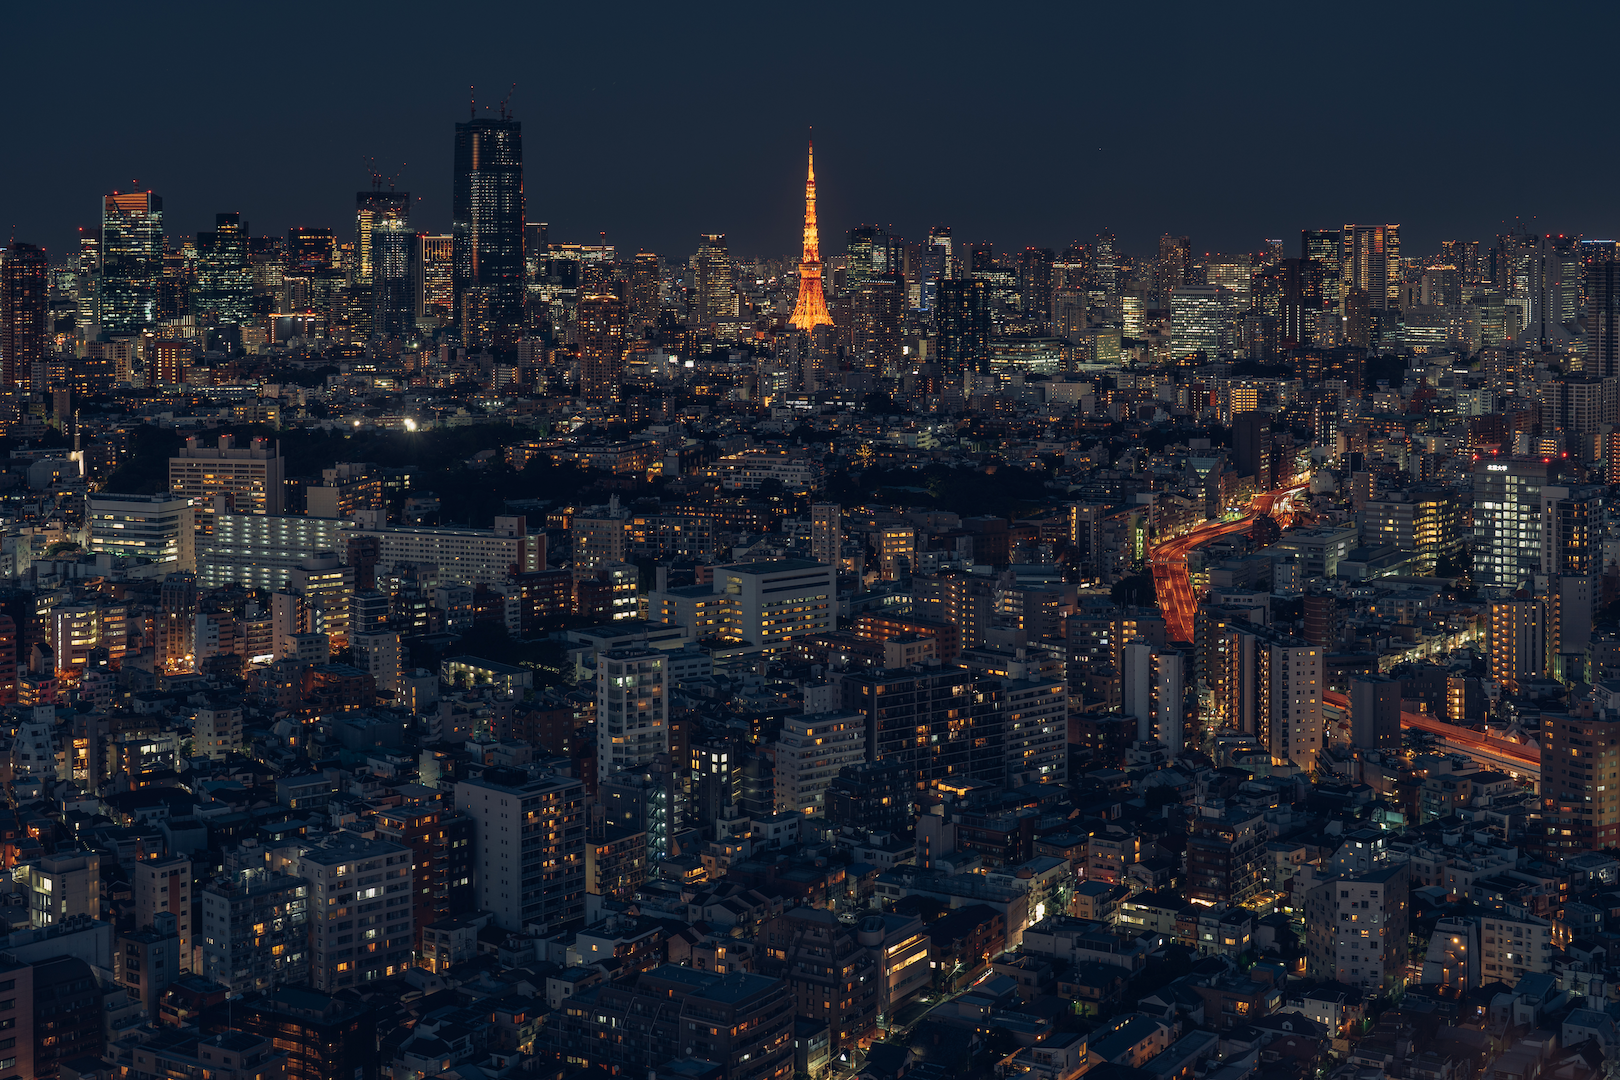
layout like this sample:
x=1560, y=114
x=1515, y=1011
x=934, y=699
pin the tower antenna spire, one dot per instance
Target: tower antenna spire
x=811, y=309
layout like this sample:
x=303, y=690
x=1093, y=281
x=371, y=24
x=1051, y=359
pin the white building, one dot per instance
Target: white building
x=161, y=528
x=632, y=708
x=378, y=653
x=261, y=552
x=810, y=752
x=770, y=603
x=529, y=837
x=1153, y=689
x=1035, y=730
x=1512, y=947
x=472, y=556
x=361, y=921
x=251, y=477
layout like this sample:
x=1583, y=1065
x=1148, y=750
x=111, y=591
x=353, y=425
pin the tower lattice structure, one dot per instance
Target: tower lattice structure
x=811, y=310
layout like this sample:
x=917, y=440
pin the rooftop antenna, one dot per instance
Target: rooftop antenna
x=472, y=101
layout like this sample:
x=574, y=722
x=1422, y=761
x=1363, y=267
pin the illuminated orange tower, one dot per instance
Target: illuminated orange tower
x=811, y=310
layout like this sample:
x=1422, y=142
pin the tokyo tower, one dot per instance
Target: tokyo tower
x=811, y=310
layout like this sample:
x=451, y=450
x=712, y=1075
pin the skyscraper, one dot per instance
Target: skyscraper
x=1602, y=357
x=867, y=254
x=1507, y=521
x=714, y=296
x=394, y=292
x=600, y=327
x=434, y=270
x=131, y=260
x=938, y=264
x=1251, y=447
x=962, y=313
x=1371, y=261
x=880, y=306
x=1322, y=247
x=811, y=309
x=371, y=209
x=1035, y=283
x=487, y=219
x=24, y=285
x=646, y=291
x=224, y=289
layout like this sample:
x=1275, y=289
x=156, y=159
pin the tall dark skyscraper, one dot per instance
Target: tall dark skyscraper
x=24, y=284
x=131, y=260
x=1603, y=319
x=1321, y=246
x=1035, y=282
x=224, y=279
x=1251, y=447
x=600, y=325
x=487, y=220
x=962, y=314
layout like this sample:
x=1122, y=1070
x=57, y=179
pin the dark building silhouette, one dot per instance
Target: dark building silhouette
x=487, y=221
x=1251, y=447
x=962, y=314
x=24, y=291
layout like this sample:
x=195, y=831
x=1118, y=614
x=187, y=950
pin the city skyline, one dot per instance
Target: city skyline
x=1117, y=148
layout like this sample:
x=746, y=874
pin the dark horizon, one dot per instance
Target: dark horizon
x=657, y=128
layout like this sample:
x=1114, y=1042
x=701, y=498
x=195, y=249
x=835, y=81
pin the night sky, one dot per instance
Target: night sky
x=1014, y=123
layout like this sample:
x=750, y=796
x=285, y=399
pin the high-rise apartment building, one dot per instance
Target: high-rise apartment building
x=1356, y=926
x=470, y=556
x=160, y=528
x=163, y=886
x=939, y=723
x=131, y=260
x=261, y=551
x=24, y=303
x=1507, y=521
x=600, y=326
x=632, y=708
x=1375, y=712
x=1272, y=687
x=826, y=533
x=961, y=308
x=487, y=219
x=646, y=291
x=361, y=922
x=880, y=306
x=1516, y=641
x=1035, y=283
x=442, y=858
x=529, y=838
x=255, y=930
x=249, y=477
x=1153, y=689
x=1580, y=800
x=810, y=753
x=741, y=1021
x=714, y=291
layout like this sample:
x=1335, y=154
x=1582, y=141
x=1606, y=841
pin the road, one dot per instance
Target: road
x=1169, y=561
x=1513, y=758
